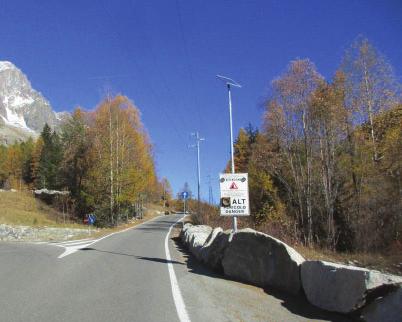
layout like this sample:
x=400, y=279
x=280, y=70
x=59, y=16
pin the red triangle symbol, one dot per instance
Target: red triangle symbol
x=233, y=186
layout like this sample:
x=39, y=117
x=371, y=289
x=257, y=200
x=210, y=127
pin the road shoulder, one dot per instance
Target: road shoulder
x=210, y=296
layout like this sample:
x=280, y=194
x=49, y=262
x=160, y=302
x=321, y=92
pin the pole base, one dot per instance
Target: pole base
x=235, y=224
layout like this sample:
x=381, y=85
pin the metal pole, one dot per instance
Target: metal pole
x=231, y=129
x=199, y=173
x=198, y=166
x=210, y=196
x=164, y=197
x=197, y=145
x=231, y=147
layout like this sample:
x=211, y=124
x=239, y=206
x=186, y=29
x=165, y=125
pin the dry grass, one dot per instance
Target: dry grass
x=21, y=208
x=389, y=262
x=151, y=212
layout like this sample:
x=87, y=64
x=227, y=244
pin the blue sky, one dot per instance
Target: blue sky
x=164, y=55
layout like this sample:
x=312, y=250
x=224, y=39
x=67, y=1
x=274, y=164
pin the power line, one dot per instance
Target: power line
x=172, y=121
x=150, y=87
x=186, y=52
x=164, y=82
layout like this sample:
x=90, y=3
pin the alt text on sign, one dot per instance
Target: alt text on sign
x=234, y=194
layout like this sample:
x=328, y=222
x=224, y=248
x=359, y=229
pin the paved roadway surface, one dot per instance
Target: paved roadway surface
x=125, y=277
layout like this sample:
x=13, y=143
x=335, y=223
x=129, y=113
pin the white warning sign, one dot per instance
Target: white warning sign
x=234, y=194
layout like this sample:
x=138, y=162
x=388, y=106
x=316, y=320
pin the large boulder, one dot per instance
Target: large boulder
x=215, y=232
x=214, y=248
x=262, y=260
x=385, y=308
x=194, y=238
x=341, y=288
x=183, y=232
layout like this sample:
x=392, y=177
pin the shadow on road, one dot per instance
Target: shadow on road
x=300, y=306
x=153, y=229
x=151, y=259
x=192, y=263
x=295, y=304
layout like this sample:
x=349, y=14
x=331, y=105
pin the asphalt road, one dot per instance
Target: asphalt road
x=129, y=277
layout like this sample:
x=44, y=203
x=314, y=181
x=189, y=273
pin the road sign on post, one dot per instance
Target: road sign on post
x=234, y=194
x=91, y=219
x=184, y=196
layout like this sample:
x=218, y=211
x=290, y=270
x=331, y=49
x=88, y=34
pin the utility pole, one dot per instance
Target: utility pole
x=210, y=194
x=164, y=197
x=230, y=82
x=198, y=139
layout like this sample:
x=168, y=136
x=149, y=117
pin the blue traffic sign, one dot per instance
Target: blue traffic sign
x=184, y=194
x=91, y=219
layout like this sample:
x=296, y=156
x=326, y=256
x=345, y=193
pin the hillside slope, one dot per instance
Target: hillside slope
x=21, y=208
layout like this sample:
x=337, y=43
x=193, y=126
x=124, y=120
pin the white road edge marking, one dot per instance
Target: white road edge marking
x=72, y=250
x=67, y=242
x=177, y=297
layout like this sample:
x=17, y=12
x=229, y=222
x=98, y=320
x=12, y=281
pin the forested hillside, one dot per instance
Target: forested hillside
x=326, y=168
x=102, y=158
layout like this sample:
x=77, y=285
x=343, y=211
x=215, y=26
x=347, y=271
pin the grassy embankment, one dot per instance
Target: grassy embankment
x=21, y=208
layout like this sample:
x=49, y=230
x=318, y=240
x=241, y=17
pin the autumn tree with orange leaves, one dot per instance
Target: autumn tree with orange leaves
x=122, y=165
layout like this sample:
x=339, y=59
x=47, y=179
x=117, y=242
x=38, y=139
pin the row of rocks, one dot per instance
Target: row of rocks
x=27, y=233
x=265, y=261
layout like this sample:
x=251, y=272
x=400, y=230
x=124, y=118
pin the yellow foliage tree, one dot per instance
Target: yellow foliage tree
x=122, y=163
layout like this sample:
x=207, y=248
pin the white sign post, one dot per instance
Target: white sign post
x=234, y=194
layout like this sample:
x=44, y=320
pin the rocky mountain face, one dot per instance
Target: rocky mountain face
x=23, y=111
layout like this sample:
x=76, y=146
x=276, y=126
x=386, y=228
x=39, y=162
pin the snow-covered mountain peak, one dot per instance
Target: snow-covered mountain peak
x=22, y=108
x=6, y=65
